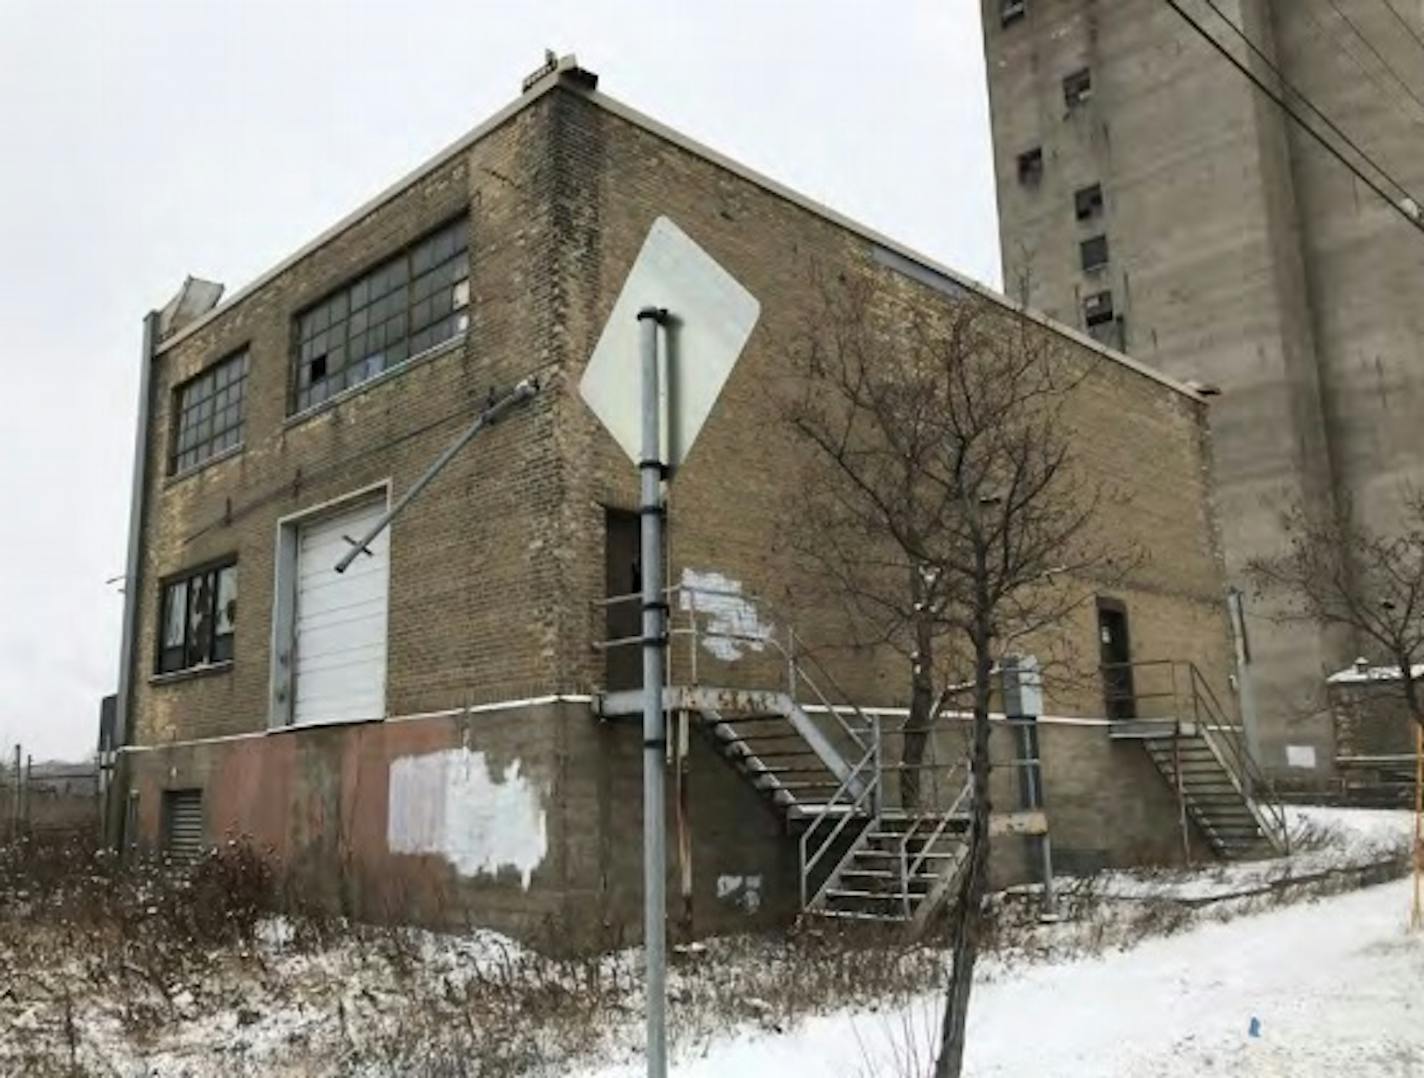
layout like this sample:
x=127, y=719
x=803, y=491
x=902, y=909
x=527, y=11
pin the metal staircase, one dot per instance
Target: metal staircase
x=821, y=764
x=1203, y=757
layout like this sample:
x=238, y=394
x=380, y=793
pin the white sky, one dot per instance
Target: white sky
x=140, y=141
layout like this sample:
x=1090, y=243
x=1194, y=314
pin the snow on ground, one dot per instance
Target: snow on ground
x=1332, y=986
x=1154, y=973
x=1324, y=839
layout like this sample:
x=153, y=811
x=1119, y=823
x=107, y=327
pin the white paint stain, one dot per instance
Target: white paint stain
x=743, y=891
x=731, y=623
x=448, y=803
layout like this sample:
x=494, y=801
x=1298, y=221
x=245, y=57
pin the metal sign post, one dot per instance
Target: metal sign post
x=714, y=317
x=651, y=467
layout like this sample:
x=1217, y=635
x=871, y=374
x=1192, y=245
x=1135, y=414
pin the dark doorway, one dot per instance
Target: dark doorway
x=622, y=576
x=1119, y=697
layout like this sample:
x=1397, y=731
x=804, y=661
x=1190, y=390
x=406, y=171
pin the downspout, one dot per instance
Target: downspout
x=1245, y=683
x=137, y=493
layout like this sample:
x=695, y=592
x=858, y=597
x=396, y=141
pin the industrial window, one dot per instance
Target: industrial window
x=1088, y=202
x=1011, y=11
x=1030, y=165
x=405, y=306
x=1098, y=309
x=199, y=612
x=1104, y=326
x=1094, y=253
x=209, y=409
x=1077, y=88
x=183, y=824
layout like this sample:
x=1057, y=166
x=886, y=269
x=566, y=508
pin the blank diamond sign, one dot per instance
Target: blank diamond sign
x=710, y=318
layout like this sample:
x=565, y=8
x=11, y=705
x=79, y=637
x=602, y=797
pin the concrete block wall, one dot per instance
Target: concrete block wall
x=1241, y=254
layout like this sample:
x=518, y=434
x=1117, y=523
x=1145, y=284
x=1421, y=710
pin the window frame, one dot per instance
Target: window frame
x=1091, y=246
x=386, y=305
x=209, y=407
x=1088, y=202
x=1078, y=87
x=1029, y=166
x=219, y=649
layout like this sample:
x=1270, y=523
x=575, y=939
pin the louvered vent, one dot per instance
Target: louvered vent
x=183, y=824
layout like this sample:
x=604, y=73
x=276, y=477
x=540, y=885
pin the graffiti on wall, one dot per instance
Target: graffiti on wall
x=448, y=803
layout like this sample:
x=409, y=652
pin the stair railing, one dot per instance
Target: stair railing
x=1228, y=739
x=941, y=820
x=857, y=797
x=683, y=622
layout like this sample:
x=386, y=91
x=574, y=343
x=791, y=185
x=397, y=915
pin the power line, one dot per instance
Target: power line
x=1306, y=101
x=1338, y=44
x=1408, y=29
x=1285, y=107
x=1377, y=55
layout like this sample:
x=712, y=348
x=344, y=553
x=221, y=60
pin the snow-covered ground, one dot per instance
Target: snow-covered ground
x=1161, y=972
x=1332, y=987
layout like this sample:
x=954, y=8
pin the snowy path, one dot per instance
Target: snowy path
x=1338, y=986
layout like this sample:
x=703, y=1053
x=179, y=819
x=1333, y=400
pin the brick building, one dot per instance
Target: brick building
x=436, y=734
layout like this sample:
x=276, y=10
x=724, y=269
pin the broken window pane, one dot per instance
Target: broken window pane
x=198, y=618
x=1030, y=164
x=1077, y=88
x=1088, y=202
x=1094, y=253
x=175, y=616
x=395, y=310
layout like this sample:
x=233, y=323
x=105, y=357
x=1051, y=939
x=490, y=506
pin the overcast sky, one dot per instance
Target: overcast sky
x=141, y=141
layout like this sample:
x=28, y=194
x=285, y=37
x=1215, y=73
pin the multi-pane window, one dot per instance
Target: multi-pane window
x=209, y=408
x=1093, y=253
x=198, y=615
x=403, y=307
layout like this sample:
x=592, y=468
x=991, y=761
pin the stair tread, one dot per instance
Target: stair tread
x=856, y=915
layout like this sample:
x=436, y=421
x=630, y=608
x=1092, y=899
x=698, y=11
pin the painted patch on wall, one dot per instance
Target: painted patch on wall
x=448, y=803
x=725, y=610
x=741, y=891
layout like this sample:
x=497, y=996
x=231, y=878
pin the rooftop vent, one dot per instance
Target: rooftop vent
x=196, y=298
x=566, y=68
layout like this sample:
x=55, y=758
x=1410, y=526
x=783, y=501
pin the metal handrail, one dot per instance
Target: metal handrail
x=1235, y=741
x=794, y=660
x=941, y=824
x=1198, y=700
x=810, y=860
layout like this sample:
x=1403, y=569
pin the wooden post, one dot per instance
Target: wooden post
x=1416, y=916
x=1181, y=797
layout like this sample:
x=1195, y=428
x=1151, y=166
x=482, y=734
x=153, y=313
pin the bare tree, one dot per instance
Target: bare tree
x=943, y=503
x=1342, y=575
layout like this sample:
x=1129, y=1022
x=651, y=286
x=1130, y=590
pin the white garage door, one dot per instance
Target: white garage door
x=340, y=623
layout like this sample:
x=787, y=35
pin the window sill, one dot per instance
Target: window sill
x=433, y=352
x=203, y=465
x=206, y=670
